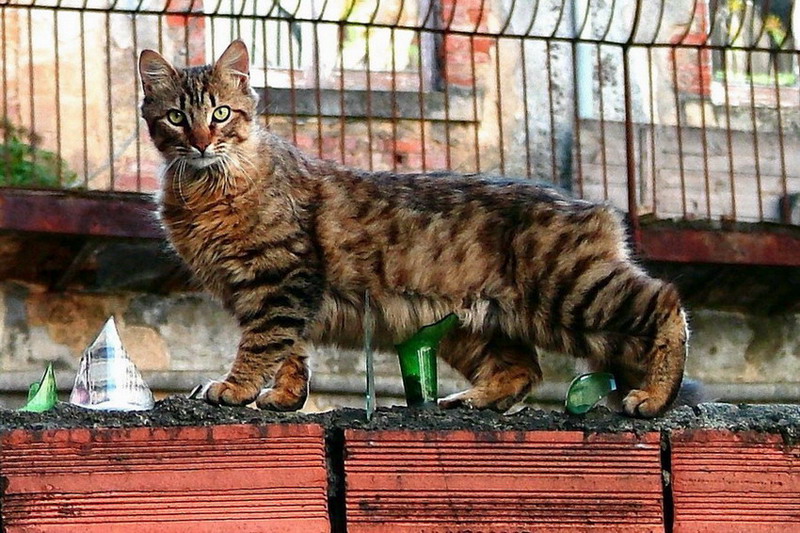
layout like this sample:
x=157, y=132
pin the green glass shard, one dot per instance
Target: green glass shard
x=42, y=396
x=32, y=390
x=588, y=389
x=418, y=362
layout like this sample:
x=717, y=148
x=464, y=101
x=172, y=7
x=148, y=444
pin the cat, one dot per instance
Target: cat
x=292, y=244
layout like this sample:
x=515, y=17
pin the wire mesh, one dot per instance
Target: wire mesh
x=680, y=109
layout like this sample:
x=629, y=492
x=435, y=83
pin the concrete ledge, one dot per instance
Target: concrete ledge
x=177, y=382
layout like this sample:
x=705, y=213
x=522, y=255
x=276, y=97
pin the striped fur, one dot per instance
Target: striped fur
x=291, y=244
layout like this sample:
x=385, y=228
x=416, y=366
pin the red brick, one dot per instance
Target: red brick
x=483, y=44
x=411, y=481
x=456, y=43
x=306, y=142
x=734, y=482
x=262, y=478
x=407, y=146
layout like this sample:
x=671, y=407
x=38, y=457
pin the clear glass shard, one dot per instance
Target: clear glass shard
x=369, y=328
x=108, y=378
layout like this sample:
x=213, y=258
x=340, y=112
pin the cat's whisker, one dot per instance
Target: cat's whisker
x=237, y=162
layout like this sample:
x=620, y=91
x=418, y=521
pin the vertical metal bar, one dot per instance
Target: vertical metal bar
x=394, y=99
x=728, y=131
x=785, y=211
x=577, y=114
x=342, y=122
x=552, y=113
x=653, y=171
x=704, y=131
x=369, y=98
x=601, y=103
x=264, y=66
x=421, y=100
x=160, y=23
x=84, y=103
x=679, y=130
x=317, y=89
x=446, y=87
x=57, y=67
x=186, y=21
x=475, y=118
x=756, y=154
x=498, y=86
x=32, y=86
x=630, y=152
x=292, y=88
x=136, y=104
x=110, y=104
x=6, y=121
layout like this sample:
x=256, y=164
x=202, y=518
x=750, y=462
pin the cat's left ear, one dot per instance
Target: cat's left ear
x=235, y=62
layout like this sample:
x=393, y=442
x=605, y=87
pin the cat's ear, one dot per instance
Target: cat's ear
x=155, y=71
x=235, y=62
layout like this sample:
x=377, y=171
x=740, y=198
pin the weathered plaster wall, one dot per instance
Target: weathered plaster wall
x=184, y=339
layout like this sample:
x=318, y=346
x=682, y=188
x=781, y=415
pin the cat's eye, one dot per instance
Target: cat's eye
x=175, y=117
x=221, y=113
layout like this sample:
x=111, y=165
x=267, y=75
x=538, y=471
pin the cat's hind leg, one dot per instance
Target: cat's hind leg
x=502, y=371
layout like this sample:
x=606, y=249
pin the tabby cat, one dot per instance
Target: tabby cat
x=291, y=245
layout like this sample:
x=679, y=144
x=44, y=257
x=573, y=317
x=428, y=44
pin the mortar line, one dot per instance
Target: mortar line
x=666, y=482
x=334, y=459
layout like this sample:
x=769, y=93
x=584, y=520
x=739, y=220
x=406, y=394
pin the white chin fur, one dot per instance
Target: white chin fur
x=202, y=162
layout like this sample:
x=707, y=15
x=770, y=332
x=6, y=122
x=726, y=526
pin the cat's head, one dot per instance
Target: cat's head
x=200, y=115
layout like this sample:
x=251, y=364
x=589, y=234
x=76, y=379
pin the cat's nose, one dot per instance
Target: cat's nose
x=200, y=140
x=201, y=146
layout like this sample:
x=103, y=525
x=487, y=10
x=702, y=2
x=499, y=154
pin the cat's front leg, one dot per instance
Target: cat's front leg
x=277, y=358
x=290, y=388
x=272, y=351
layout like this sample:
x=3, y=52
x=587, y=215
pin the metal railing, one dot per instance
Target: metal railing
x=682, y=109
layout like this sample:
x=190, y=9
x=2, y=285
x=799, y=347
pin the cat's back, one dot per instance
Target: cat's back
x=484, y=206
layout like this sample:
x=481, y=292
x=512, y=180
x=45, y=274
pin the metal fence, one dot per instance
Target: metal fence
x=681, y=109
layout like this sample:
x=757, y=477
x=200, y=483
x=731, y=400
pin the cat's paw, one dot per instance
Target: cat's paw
x=479, y=398
x=227, y=393
x=471, y=399
x=641, y=403
x=281, y=400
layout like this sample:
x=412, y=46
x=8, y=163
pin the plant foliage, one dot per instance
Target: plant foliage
x=24, y=164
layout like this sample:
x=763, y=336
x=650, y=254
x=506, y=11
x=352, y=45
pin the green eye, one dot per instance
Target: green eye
x=176, y=117
x=221, y=113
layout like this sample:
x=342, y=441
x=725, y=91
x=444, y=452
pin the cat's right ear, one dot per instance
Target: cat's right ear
x=155, y=71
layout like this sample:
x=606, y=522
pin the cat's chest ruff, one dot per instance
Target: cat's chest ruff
x=203, y=230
